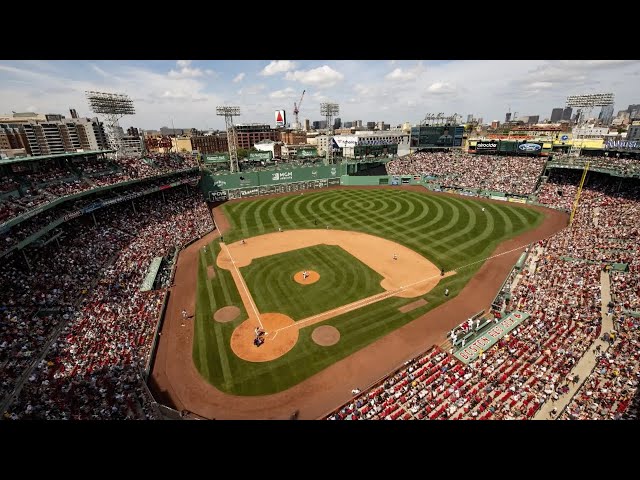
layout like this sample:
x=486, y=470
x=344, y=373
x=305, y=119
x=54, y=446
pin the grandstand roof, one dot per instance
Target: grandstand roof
x=9, y=161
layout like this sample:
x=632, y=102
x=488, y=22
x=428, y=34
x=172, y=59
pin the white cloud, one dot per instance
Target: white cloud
x=324, y=76
x=400, y=75
x=441, y=87
x=185, y=71
x=239, y=77
x=485, y=88
x=252, y=89
x=286, y=93
x=278, y=66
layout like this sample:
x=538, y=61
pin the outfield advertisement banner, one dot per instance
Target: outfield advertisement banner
x=487, y=147
x=260, y=156
x=517, y=200
x=273, y=189
x=491, y=336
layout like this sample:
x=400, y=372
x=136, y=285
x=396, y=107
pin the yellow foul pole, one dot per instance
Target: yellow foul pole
x=575, y=202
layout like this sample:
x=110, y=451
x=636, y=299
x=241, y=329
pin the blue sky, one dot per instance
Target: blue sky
x=187, y=91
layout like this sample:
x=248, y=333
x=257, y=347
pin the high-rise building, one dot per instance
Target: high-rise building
x=64, y=135
x=347, y=125
x=507, y=117
x=371, y=125
x=248, y=135
x=337, y=123
x=73, y=113
x=606, y=115
x=293, y=138
x=306, y=124
x=566, y=114
x=470, y=118
x=633, y=133
x=480, y=121
x=210, y=143
x=556, y=115
x=357, y=123
x=533, y=119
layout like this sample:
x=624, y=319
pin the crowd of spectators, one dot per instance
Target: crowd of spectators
x=93, y=368
x=626, y=166
x=561, y=289
x=54, y=179
x=506, y=174
x=609, y=391
x=41, y=220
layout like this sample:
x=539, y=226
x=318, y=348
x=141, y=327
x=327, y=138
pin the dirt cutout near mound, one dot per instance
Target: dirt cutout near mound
x=211, y=272
x=312, y=277
x=325, y=335
x=278, y=340
x=226, y=314
x=413, y=305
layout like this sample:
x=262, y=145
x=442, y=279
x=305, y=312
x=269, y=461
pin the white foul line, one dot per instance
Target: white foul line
x=244, y=287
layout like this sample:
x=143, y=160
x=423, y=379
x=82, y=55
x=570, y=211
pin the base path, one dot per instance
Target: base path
x=176, y=382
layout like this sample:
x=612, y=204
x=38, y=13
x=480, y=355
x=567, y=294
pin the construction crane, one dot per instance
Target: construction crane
x=296, y=109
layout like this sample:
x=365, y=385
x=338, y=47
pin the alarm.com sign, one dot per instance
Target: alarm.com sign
x=281, y=118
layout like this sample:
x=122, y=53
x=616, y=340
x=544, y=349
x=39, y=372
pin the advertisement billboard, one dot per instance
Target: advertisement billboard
x=437, y=136
x=260, y=156
x=281, y=118
x=622, y=144
x=219, y=158
x=307, y=152
x=486, y=147
x=533, y=148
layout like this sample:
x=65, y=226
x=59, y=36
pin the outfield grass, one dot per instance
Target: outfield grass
x=343, y=279
x=452, y=233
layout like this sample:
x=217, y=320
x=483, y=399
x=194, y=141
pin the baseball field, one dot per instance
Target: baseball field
x=373, y=260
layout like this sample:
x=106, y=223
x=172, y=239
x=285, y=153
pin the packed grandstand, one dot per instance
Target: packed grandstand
x=77, y=332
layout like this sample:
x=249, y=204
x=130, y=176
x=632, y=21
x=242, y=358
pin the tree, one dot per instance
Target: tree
x=243, y=152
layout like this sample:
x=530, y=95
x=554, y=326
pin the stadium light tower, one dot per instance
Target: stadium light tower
x=585, y=103
x=113, y=106
x=228, y=113
x=329, y=110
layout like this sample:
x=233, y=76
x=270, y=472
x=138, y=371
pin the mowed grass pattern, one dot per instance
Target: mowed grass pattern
x=343, y=279
x=453, y=233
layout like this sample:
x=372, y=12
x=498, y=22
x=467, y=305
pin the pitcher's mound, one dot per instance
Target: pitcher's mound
x=226, y=314
x=278, y=340
x=325, y=335
x=313, y=277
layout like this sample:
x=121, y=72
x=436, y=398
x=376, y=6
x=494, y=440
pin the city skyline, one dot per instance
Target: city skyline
x=185, y=92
